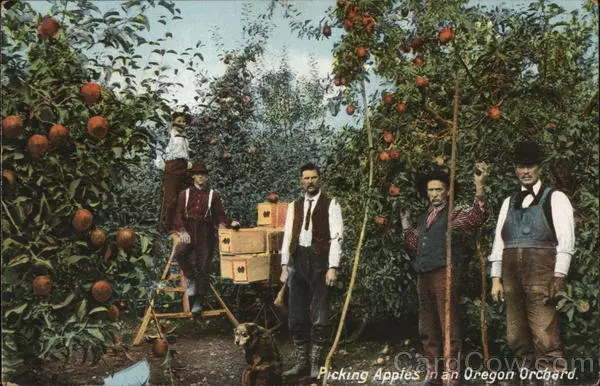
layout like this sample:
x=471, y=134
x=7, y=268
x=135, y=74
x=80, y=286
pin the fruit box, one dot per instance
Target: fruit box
x=272, y=214
x=250, y=268
x=274, y=240
x=244, y=240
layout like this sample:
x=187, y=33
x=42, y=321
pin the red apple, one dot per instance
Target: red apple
x=273, y=197
x=418, y=61
x=380, y=220
x=421, y=81
x=388, y=98
x=417, y=43
x=446, y=35
x=384, y=155
x=394, y=190
x=494, y=112
x=361, y=51
x=348, y=24
x=388, y=137
x=394, y=154
x=326, y=31
x=350, y=109
x=401, y=107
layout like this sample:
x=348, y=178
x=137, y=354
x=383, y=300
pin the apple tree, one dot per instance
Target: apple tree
x=523, y=73
x=75, y=122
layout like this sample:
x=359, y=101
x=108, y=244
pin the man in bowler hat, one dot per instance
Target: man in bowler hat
x=426, y=244
x=530, y=258
x=198, y=215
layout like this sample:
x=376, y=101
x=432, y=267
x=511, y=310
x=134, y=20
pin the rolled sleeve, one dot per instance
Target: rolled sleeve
x=336, y=231
x=495, y=257
x=287, y=234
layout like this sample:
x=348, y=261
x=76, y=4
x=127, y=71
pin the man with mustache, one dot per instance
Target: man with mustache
x=531, y=255
x=176, y=163
x=426, y=244
x=310, y=257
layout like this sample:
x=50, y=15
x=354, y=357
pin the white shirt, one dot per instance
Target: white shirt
x=178, y=147
x=564, y=226
x=336, y=229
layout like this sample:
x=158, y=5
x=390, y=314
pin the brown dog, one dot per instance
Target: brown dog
x=262, y=355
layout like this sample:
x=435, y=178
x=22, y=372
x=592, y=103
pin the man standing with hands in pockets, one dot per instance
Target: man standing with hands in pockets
x=310, y=257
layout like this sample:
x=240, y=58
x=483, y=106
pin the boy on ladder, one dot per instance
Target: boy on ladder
x=198, y=215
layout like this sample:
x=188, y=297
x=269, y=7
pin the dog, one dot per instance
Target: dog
x=262, y=355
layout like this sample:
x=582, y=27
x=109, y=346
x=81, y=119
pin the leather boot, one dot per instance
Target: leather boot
x=316, y=357
x=302, y=366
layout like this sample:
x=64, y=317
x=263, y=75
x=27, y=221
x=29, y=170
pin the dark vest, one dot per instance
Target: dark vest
x=321, y=237
x=431, y=252
x=529, y=227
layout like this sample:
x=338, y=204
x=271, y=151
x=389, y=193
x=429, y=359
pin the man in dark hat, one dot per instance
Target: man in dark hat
x=198, y=215
x=531, y=255
x=176, y=163
x=426, y=244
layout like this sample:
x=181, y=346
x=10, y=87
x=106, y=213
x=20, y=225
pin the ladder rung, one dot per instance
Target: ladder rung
x=175, y=276
x=178, y=289
x=175, y=315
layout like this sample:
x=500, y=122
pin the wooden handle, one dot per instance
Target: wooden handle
x=280, y=298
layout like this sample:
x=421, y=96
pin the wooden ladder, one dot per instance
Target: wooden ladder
x=186, y=313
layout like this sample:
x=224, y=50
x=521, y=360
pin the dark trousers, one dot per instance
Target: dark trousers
x=431, y=288
x=308, y=297
x=195, y=258
x=173, y=182
x=532, y=325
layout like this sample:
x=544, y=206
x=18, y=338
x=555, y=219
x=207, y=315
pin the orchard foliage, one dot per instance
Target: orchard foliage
x=528, y=73
x=44, y=66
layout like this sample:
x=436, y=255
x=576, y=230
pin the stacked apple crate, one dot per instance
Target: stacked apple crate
x=254, y=254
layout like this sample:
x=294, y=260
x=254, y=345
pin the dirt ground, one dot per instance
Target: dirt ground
x=204, y=354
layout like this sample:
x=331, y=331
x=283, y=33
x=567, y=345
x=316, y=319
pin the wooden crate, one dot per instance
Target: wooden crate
x=274, y=239
x=242, y=241
x=251, y=268
x=272, y=214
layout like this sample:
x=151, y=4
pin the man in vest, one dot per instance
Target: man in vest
x=531, y=255
x=198, y=215
x=426, y=244
x=310, y=257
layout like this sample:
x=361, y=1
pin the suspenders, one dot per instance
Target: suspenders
x=187, y=197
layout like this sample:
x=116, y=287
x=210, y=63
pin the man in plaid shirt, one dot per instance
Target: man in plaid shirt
x=426, y=244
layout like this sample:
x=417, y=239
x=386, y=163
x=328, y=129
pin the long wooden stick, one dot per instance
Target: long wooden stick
x=447, y=311
x=361, y=238
x=483, y=311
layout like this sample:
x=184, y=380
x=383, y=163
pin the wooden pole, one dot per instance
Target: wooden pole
x=361, y=238
x=447, y=311
x=483, y=311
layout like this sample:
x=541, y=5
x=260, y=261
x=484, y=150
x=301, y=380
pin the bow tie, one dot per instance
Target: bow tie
x=522, y=194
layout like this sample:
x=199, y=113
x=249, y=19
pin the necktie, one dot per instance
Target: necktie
x=308, y=214
x=431, y=217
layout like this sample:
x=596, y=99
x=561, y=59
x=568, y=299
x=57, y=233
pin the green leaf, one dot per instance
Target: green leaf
x=65, y=302
x=73, y=187
x=97, y=309
x=17, y=310
x=144, y=241
x=74, y=259
x=81, y=311
x=95, y=332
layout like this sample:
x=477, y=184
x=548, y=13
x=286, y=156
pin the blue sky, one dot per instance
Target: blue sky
x=202, y=18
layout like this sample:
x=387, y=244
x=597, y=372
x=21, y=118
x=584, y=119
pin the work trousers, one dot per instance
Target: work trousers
x=431, y=289
x=531, y=321
x=308, y=297
x=195, y=258
x=173, y=182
